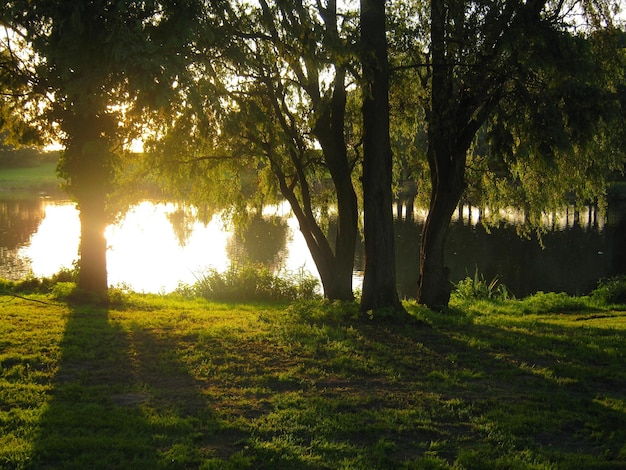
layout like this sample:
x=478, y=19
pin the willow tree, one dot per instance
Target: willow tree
x=270, y=115
x=86, y=70
x=539, y=89
x=379, y=281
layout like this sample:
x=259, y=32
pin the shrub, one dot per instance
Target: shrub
x=35, y=285
x=611, y=291
x=252, y=283
x=63, y=291
x=553, y=302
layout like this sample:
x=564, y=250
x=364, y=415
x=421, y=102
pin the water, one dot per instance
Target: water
x=154, y=247
x=569, y=257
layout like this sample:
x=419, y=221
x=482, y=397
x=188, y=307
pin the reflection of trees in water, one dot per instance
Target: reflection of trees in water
x=571, y=259
x=617, y=219
x=19, y=220
x=260, y=240
x=408, y=234
x=182, y=219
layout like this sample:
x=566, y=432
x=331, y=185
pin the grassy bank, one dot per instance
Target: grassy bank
x=41, y=177
x=162, y=382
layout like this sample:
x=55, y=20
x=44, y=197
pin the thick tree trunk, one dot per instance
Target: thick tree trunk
x=447, y=170
x=86, y=165
x=335, y=271
x=434, y=283
x=345, y=242
x=447, y=153
x=329, y=130
x=92, y=265
x=379, y=281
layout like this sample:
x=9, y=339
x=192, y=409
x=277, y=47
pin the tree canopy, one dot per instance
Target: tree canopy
x=504, y=103
x=83, y=73
x=517, y=98
x=270, y=117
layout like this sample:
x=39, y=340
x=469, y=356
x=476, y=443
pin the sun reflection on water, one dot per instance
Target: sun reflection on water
x=55, y=243
x=145, y=252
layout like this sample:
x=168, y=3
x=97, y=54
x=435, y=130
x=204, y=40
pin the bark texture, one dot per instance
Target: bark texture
x=379, y=281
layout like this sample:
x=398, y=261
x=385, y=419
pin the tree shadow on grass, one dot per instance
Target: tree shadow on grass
x=476, y=396
x=120, y=400
x=524, y=396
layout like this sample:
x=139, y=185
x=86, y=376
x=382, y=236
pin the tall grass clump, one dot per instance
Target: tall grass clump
x=553, y=302
x=252, y=282
x=478, y=288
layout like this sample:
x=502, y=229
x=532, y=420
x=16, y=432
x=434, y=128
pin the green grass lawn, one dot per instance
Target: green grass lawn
x=36, y=178
x=163, y=382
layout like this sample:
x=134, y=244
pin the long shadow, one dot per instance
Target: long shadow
x=486, y=396
x=516, y=392
x=124, y=398
x=111, y=406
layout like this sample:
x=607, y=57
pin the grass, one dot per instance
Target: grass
x=41, y=177
x=164, y=382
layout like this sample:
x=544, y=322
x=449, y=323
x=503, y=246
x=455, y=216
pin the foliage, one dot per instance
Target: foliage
x=539, y=103
x=252, y=283
x=477, y=288
x=553, y=302
x=520, y=106
x=84, y=74
x=271, y=116
x=38, y=285
x=251, y=100
x=611, y=291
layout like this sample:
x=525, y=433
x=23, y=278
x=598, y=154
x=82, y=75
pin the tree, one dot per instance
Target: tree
x=379, y=281
x=85, y=69
x=272, y=106
x=519, y=72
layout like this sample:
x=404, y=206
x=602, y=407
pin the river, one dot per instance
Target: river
x=156, y=246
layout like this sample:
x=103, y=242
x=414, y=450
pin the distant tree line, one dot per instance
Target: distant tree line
x=25, y=157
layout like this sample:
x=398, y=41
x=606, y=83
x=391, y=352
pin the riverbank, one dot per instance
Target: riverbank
x=164, y=382
x=40, y=179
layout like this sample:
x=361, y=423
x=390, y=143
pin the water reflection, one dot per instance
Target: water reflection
x=152, y=248
x=149, y=253
x=577, y=250
x=19, y=220
x=156, y=246
x=183, y=219
x=55, y=244
x=261, y=239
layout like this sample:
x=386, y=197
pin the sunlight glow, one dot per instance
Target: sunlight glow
x=136, y=146
x=145, y=252
x=55, y=244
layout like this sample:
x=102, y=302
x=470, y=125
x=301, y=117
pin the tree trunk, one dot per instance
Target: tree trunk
x=345, y=242
x=92, y=265
x=379, y=281
x=434, y=283
x=329, y=130
x=86, y=164
x=447, y=153
x=335, y=271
